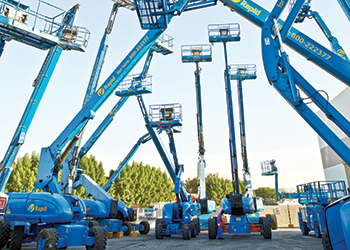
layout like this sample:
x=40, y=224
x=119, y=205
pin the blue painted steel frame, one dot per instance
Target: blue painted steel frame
x=273, y=62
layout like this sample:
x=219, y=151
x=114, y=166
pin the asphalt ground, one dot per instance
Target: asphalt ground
x=283, y=238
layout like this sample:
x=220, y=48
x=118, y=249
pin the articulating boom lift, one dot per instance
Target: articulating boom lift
x=196, y=54
x=22, y=207
x=177, y=216
x=285, y=80
x=243, y=210
x=269, y=168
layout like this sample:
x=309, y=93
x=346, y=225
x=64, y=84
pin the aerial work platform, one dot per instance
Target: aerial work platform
x=135, y=85
x=21, y=23
x=224, y=32
x=166, y=115
x=196, y=53
x=242, y=71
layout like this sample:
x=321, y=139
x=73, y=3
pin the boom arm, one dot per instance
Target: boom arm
x=284, y=78
x=301, y=43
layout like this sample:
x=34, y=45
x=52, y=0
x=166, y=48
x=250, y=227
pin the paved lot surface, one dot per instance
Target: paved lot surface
x=284, y=238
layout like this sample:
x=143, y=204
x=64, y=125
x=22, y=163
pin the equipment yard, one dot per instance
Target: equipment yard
x=283, y=238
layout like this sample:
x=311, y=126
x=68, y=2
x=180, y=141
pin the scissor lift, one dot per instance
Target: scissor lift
x=30, y=26
x=315, y=196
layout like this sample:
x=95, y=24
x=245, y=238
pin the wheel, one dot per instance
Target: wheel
x=100, y=238
x=266, y=227
x=193, y=228
x=47, y=239
x=325, y=240
x=128, y=227
x=159, y=229
x=304, y=228
x=17, y=238
x=198, y=225
x=146, y=225
x=5, y=229
x=273, y=219
x=318, y=231
x=212, y=231
x=93, y=223
x=186, y=234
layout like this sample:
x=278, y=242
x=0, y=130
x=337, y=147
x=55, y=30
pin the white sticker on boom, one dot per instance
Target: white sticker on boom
x=267, y=41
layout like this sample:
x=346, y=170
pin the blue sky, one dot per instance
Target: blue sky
x=274, y=130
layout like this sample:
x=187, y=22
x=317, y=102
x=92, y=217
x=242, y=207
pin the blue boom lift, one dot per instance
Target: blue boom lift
x=244, y=218
x=25, y=209
x=269, y=168
x=100, y=208
x=177, y=216
x=40, y=84
x=30, y=26
x=285, y=80
x=197, y=54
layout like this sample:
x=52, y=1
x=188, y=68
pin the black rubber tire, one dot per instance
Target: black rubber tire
x=93, y=223
x=5, y=231
x=17, y=238
x=304, y=228
x=128, y=225
x=159, y=229
x=51, y=238
x=326, y=243
x=212, y=232
x=146, y=225
x=265, y=222
x=193, y=228
x=318, y=232
x=198, y=225
x=273, y=219
x=100, y=238
x=186, y=234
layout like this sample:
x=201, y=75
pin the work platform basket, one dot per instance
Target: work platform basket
x=196, y=53
x=19, y=22
x=151, y=14
x=166, y=115
x=268, y=167
x=164, y=45
x=242, y=71
x=224, y=32
x=135, y=85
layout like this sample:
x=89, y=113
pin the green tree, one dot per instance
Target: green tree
x=265, y=192
x=191, y=185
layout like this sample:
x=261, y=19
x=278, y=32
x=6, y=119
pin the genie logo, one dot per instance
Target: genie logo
x=256, y=11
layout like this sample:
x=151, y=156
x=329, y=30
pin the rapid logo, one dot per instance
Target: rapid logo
x=256, y=11
x=33, y=208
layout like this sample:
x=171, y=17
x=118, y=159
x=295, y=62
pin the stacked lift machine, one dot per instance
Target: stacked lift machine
x=288, y=82
x=197, y=54
x=244, y=218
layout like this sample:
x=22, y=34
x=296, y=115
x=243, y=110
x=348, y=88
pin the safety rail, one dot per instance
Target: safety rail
x=75, y=37
x=134, y=85
x=224, y=32
x=268, y=167
x=151, y=14
x=242, y=71
x=196, y=53
x=164, y=44
x=321, y=192
x=23, y=13
x=166, y=115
